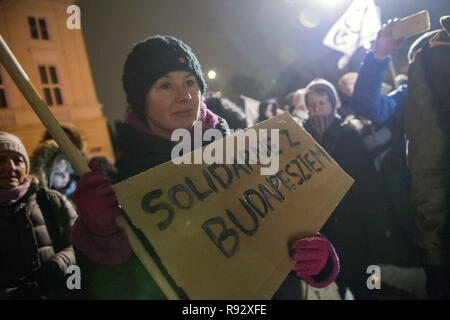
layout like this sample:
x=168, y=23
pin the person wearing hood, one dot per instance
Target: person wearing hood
x=349, y=225
x=427, y=128
x=35, y=249
x=164, y=86
x=52, y=169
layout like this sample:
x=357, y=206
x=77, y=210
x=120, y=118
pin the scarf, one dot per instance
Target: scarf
x=209, y=120
x=321, y=123
x=10, y=196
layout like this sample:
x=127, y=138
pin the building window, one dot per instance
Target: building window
x=3, y=103
x=50, y=85
x=43, y=26
x=34, y=26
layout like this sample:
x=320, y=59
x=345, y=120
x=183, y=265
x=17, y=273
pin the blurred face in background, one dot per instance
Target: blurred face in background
x=318, y=104
x=173, y=102
x=60, y=174
x=347, y=83
x=13, y=169
x=270, y=113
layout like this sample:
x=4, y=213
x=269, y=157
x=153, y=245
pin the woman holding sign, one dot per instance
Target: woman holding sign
x=164, y=86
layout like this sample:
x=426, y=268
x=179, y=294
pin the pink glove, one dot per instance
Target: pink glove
x=316, y=261
x=95, y=232
x=97, y=204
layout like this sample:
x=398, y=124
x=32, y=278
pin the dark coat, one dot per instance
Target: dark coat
x=140, y=151
x=427, y=126
x=348, y=226
x=35, y=249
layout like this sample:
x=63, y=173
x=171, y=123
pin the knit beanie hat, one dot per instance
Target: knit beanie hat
x=151, y=59
x=9, y=142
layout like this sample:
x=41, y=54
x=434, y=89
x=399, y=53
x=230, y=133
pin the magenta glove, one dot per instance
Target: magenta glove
x=316, y=261
x=95, y=232
x=97, y=204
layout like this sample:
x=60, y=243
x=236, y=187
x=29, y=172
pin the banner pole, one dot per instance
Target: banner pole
x=392, y=69
x=75, y=157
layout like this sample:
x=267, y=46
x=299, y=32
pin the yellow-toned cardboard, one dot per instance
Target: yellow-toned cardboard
x=411, y=25
x=262, y=261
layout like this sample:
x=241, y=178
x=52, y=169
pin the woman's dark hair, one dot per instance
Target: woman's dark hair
x=228, y=110
x=263, y=106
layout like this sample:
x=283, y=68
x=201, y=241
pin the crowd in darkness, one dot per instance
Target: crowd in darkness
x=395, y=145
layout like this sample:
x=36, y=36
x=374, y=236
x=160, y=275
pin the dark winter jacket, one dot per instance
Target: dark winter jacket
x=35, y=250
x=427, y=126
x=388, y=111
x=348, y=226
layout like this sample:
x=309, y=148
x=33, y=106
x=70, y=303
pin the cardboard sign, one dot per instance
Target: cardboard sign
x=223, y=230
x=411, y=25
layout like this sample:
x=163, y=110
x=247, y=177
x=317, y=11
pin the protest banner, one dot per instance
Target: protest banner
x=358, y=25
x=222, y=230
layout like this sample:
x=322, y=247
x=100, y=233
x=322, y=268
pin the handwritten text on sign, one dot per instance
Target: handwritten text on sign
x=222, y=230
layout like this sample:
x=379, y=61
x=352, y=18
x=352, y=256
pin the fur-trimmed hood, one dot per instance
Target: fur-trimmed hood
x=42, y=161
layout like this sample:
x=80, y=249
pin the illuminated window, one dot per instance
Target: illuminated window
x=50, y=85
x=35, y=25
x=3, y=103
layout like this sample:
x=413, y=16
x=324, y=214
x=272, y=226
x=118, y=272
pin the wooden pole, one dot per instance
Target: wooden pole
x=392, y=69
x=75, y=157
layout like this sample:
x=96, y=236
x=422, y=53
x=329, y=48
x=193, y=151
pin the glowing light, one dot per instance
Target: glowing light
x=212, y=74
x=329, y=4
x=309, y=18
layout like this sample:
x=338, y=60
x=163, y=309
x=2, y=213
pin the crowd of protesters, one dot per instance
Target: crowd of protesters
x=396, y=212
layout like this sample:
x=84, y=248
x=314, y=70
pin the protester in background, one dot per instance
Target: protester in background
x=346, y=85
x=35, y=250
x=427, y=126
x=348, y=225
x=164, y=86
x=268, y=109
x=54, y=171
x=388, y=111
x=226, y=109
x=297, y=106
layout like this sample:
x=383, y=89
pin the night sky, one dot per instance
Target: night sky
x=262, y=39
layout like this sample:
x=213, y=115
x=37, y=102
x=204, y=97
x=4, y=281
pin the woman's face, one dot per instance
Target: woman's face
x=13, y=169
x=173, y=102
x=269, y=111
x=318, y=104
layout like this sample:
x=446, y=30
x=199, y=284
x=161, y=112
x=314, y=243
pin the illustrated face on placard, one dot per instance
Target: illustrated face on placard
x=60, y=174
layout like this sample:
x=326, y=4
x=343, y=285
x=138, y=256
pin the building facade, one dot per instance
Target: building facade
x=55, y=59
